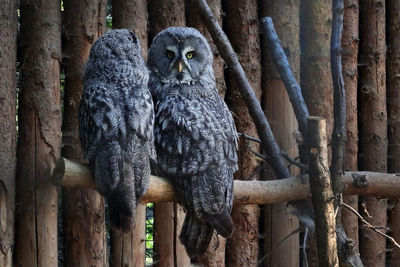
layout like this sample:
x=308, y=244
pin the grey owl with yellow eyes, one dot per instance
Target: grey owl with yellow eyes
x=195, y=135
x=116, y=120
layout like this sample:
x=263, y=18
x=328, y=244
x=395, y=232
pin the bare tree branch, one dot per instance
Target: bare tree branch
x=370, y=226
x=283, y=67
x=71, y=174
x=228, y=54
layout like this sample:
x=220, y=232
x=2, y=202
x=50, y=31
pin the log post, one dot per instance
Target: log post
x=39, y=134
x=321, y=192
x=349, y=62
x=129, y=249
x=372, y=122
x=215, y=254
x=279, y=104
x=8, y=140
x=242, y=247
x=168, y=250
x=83, y=217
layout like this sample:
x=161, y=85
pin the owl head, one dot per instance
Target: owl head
x=117, y=52
x=179, y=55
x=116, y=44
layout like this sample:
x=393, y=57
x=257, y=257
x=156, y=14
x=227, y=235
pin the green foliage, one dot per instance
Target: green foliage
x=149, y=233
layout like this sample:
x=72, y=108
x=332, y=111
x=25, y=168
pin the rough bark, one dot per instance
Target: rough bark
x=349, y=62
x=71, y=174
x=372, y=121
x=132, y=14
x=129, y=249
x=315, y=75
x=193, y=20
x=278, y=221
x=8, y=142
x=83, y=245
x=215, y=255
x=321, y=192
x=393, y=87
x=39, y=141
x=264, y=131
x=242, y=30
x=167, y=249
x=316, y=79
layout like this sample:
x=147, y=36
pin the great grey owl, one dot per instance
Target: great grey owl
x=195, y=135
x=116, y=120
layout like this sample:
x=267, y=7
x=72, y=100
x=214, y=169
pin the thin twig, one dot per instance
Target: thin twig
x=249, y=137
x=370, y=226
x=293, y=161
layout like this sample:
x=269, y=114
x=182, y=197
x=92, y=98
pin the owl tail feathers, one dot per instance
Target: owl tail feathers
x=222, y=223
x=122, y=206
x=195, y=236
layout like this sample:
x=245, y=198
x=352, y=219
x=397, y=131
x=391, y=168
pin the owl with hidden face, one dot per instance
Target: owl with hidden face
x=195, y=135
x=116, y=118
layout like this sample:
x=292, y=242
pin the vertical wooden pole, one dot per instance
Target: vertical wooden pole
x=241, y=26
x=82, y=210
x=215, y=255
x=321, y=192
x=349, y=63
x=168, y=250
x=8, y=142
x=39, y=133
x=373, y=122
x=129, y=249
x=278, y=222
x=315, y=75
x=393, y=102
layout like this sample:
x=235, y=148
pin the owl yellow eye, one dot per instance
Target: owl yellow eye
x=170, y=54
x=190, y=55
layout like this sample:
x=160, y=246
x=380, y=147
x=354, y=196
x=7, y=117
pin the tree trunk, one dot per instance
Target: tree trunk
x=8, y=142
x=168, y=250
x=349, y=63
x=242, y=29
x=315, y=33
x=193, y=20
x=315, y=75
x=39, y=141
x=393, y=87
x=82, y=210
x=129, y=249
x=278, y=222
x=215, y=255
x=321, y=192
x=373, y=122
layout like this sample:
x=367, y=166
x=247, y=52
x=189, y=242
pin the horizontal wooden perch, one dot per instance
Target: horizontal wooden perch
x=71, y=174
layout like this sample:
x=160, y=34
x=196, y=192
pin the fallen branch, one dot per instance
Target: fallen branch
x=71, y=174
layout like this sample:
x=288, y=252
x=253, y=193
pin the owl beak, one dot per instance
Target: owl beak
x=179, y=66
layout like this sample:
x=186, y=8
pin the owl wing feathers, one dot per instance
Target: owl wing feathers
x=201, y=155
x=117, y=136
x=100, y=118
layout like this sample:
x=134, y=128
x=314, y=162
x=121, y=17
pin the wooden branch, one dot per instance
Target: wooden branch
x=71, y=174
x=321, y=192
x=282, y=65
x=228, y=54
x=339, y=97
x=372, y=227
